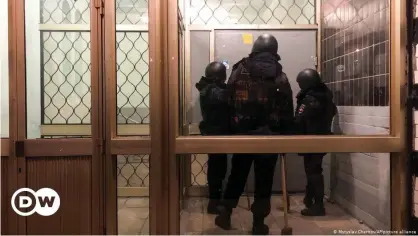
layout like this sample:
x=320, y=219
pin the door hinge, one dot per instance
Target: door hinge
x=99, y=4
x=20, y=148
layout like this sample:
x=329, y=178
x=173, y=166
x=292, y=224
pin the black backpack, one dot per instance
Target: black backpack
x=256, y=102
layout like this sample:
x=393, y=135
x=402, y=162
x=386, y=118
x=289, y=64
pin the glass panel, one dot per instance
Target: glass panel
x=4, y=71
x=356, y=56
x=356, y=192
x=133, y=113
x=355, y=68
x=64, y=12
x=132, y=12
x=133, y=194
x=215, y=12
x=58, y=88
x=132, y=55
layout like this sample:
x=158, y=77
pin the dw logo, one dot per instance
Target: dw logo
x=45, y=201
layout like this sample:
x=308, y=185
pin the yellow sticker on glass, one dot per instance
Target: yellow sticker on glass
x=247, y=38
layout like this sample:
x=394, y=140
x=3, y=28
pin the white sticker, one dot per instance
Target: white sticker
x=225, y=62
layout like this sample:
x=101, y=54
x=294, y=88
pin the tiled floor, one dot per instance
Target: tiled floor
x=133, y=218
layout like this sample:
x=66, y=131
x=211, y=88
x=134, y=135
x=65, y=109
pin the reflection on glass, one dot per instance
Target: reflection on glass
x=4, y=71
x=350, y=179
x=133, y=194
x=58, y=78
x=252, y=12
x=132, y=55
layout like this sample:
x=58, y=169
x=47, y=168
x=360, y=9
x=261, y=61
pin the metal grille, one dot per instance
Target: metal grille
x=66, y=77
x=133, y=77
x=78, y=11
x=65, y=11
x=199, y=169
x=133, y=170
x=132, y=12
x=208, y=12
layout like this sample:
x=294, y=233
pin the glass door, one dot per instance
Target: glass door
x=132, y=111
x=55, y=137
x=360, y=58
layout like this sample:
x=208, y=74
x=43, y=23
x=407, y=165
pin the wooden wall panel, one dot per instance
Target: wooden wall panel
x=71, y=178
x=4, y=147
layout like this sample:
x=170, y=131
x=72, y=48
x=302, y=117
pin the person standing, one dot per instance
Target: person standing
x=215, y=112
x=261, y=104
x=314, y=113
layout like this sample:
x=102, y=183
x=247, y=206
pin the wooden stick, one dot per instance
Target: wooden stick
x=284, y=189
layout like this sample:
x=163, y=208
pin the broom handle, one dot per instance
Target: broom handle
x=284, y=188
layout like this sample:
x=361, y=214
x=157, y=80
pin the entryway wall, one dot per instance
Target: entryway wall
x=355, y=65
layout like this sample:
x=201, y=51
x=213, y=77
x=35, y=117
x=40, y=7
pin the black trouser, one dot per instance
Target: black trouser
x=217, y=165
x=264, y=166
x=314, y=177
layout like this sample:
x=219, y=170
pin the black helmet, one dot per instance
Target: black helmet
x=308, y=78
x=216, y=70
x=265, y=43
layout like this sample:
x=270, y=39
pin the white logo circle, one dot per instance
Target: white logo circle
x=14, y=198
x=47, y=201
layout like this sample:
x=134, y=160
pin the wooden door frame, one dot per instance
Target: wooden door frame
x=21, y=148
x=7, y=148
x=394, y=143
x=134, y=145
x=103, y=130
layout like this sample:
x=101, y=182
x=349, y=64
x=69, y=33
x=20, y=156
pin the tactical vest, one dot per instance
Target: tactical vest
x=254, y=101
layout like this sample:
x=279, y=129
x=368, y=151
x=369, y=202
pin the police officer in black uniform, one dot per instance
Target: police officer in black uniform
x=314, y=113
x=215, y=112
x=261, y=104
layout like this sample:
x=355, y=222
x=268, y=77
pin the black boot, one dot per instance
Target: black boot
x=259, y=228
x=309, y=195
x=317, y=209
x=223, y=220
x=213, y=206
x=214, y=198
